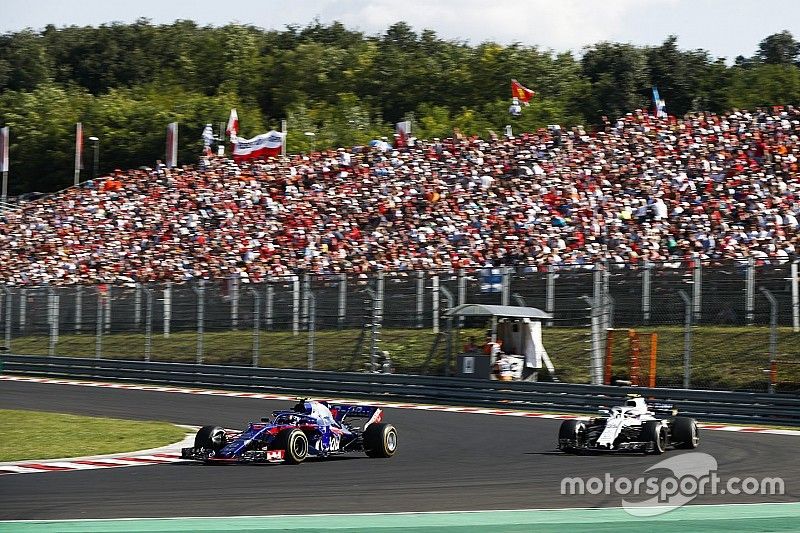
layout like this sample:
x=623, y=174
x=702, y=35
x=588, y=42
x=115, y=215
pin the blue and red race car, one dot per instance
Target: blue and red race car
x=309, y=429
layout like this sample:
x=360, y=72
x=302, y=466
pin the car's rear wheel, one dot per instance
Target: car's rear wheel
x=210, y=438
x=295, y=445
x=380, y=440
x=571, y=435
x=653, y=431
x=684, y=433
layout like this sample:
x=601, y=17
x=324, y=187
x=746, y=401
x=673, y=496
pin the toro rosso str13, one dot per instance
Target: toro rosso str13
x=309, y=429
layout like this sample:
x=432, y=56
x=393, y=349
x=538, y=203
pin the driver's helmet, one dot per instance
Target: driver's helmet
x=302, y=407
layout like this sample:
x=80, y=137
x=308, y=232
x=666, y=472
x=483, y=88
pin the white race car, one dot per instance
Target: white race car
x=634, y=427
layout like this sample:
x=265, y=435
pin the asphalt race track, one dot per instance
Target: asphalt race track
x=445, y=461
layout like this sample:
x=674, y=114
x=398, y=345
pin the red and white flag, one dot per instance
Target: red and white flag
x=232, y=130
x=259, y=147
x=522, y=93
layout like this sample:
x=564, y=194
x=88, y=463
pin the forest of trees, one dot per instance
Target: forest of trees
x=125, y=82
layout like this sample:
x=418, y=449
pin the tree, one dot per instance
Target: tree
x=778, y=49
x=618, y=76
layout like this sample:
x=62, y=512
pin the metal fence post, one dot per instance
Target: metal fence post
x=9, y=316
x=167, y=308
x=23, y=310
x=420, y=298
x=750, y=290
x=773, y=331
x=200, y=291
x=78, y=308
x=53, y=304
x=595, y=350
x=697, y=292
x=256, y=326
x=137, y=305
x=342, y=300
x=234, y=291
x=647, y=280
x=270, y=302
x=435, y=298
x=608, y=301
x=505, y=286
x=795, y=298
x=295, y=305
x=98, y=338
x=550, y=292
x=377, y=320
x=148, y=325
x=462, y=293
x=449, y=329
x=687, y=339
x=598, y=309
x=306, y=289
x=107, y=316
x=312, y=328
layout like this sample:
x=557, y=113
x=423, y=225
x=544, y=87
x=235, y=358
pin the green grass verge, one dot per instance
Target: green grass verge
x=726, y=357
x=31, y=435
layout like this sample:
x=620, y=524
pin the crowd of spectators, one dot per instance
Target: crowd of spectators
x=710, y=188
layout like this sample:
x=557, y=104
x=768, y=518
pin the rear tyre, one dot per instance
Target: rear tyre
x=684, y=433
x=210, y=438
x=380, y=440
x=573, y=431
x=653, y=431
x=295, y=445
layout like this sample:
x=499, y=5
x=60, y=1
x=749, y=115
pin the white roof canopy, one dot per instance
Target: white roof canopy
x=502, y=311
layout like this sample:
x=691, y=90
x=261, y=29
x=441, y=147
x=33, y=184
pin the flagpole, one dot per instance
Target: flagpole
x=283, y=143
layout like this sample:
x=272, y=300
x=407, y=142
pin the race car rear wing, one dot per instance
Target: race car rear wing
x=342, y=411
x=663, y=409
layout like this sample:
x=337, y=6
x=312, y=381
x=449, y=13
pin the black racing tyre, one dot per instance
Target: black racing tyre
x=295, y=445
x=574, y=431
x=210, y=438
x=684, y=433
x=380, y=440
x=654, y=431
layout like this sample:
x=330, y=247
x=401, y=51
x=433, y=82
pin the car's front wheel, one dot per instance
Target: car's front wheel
x=295, y=445
x=380, y=440
x=571, y=435
x=653, y=431
x=210, y=438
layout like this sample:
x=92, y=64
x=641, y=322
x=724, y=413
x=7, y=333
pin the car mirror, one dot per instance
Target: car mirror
x=265, y=419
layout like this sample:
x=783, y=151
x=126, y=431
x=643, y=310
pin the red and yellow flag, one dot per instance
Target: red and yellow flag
x=521, y=92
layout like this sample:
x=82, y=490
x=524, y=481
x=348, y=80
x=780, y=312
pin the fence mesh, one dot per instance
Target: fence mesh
x=716, y=326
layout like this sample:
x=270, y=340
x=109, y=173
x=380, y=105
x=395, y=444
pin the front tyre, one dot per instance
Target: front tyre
x=295, y=445
x=684, y=433
x=210, y=438
x=654, y=432
x=571, y=435
x=380, y=440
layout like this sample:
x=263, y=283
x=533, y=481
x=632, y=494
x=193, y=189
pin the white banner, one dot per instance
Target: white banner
x=265, y=145
x=172, y=145
x=4, y=149
x=78, y=152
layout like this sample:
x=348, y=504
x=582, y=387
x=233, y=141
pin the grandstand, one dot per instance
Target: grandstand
x=704, y=188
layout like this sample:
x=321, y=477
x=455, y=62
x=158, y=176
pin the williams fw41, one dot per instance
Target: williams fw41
x=634, y=427
x=309, y=429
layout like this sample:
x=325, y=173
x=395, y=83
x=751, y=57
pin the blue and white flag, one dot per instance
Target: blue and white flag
x=661, y=105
